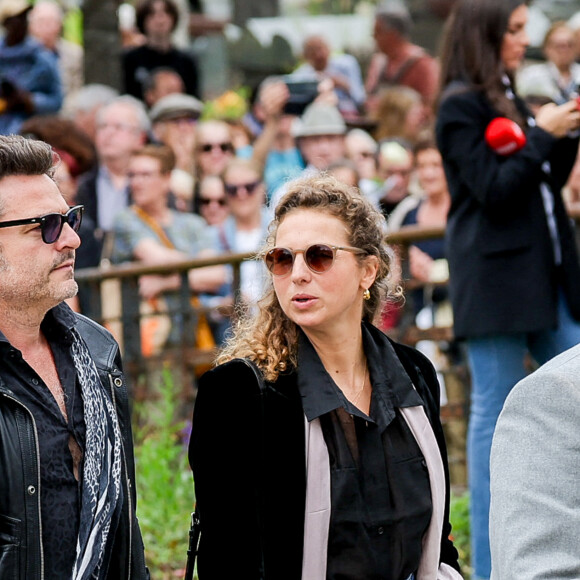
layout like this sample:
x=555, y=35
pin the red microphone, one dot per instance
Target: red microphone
x=504, y=136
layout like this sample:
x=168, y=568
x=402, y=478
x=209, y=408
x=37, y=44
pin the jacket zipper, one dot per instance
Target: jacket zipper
x=35, y=433
x=129, y=498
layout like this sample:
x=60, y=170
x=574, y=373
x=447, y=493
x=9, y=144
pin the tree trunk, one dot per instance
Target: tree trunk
x=245, y=9
x=102, y=43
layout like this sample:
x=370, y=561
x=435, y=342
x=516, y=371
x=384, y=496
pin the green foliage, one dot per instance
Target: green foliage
x=459, y=517
x=164, y=483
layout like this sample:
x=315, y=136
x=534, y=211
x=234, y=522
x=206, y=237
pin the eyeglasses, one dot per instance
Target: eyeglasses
x=318, y=257
x=143, y=174
x=51, y=224
x=225, y=147
x=233, y=189
x=204, y=201
x=117, y=127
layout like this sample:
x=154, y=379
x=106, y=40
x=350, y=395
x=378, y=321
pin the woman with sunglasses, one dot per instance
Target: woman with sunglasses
x=245, y=229
x=317, y=450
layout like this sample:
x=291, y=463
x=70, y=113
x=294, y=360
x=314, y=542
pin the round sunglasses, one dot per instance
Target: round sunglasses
x=318, y=257
x=51, y=224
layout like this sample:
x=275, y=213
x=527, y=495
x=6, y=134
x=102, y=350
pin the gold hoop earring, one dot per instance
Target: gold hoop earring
x=366, y=294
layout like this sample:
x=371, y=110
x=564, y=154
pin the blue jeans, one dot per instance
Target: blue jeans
x=497, y=364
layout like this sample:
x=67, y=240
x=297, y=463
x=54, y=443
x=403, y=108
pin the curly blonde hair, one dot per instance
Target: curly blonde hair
x=270, y=338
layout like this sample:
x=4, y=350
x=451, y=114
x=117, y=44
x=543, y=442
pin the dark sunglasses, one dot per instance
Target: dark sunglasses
x=318, y=257
x=206, y=201
x=225, y=147
x=51, y=224
x=249, y=187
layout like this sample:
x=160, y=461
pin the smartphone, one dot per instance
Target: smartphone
x=302, y=93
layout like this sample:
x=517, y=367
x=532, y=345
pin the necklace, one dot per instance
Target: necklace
x=355, y=399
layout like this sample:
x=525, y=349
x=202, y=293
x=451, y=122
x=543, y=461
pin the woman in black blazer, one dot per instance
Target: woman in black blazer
x=316, y=446
x=514, y=273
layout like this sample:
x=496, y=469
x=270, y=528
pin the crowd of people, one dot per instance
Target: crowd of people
x=410, y=139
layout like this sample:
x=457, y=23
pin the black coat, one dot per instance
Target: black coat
x=250, y=471
x=503, y=276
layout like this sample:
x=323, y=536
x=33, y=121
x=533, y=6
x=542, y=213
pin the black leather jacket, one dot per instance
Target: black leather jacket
x=21, y=555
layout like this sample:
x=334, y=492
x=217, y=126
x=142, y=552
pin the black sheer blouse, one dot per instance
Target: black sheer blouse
x=380, y=493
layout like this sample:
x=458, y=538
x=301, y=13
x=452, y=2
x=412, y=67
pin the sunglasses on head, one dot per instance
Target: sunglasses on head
x=225, y=147
x=51, y=224
x=318, y=257
x=208, y=201
x=233, y=189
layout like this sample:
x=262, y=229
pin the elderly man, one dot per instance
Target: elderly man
x=121, y=129
x=67, y=496
x=399, y=61
x=342, y=69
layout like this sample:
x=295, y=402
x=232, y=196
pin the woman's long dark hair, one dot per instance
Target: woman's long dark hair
x=471, y=50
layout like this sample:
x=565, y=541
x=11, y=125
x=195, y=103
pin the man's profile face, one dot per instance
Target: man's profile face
x=32, y=273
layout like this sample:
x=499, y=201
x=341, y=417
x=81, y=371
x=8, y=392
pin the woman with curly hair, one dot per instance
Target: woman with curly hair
x=316, y=448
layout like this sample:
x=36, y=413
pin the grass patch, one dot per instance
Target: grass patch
x=164, y=482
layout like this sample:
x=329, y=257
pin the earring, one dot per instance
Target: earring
x=367, y=294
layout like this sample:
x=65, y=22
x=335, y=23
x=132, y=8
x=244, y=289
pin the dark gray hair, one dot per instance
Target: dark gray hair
x=21, y=156
x=395, y=16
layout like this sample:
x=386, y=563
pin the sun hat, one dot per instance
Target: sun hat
x=319, y=119
x=174, y=106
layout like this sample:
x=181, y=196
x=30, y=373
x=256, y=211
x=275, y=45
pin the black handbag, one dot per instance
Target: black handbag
x=194, y=533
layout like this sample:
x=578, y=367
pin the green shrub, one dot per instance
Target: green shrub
x=459, y=517
x=164, y=483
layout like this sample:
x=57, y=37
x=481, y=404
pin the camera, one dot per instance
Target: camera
x=302, y=93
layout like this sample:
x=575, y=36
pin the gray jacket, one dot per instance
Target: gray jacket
x=535, y=476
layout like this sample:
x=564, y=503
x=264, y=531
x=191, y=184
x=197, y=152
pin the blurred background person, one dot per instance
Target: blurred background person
x=121, y=128
x=320, y=137
x=45, y=22
x=398, y=61
x=395, y=170
x=214, y=148
x=342, y=69
x=211, y=202
x=275, y=147
x=150, y=232
x=345, y=171
x=83, y=105
x=361, y=149
x=514, y=271
x=30, y=80
x=557, y=78
x=400, y=113
x=156, y=20
x=427, y=262
x=173, y=122
x=245, y=228
x=161, y=82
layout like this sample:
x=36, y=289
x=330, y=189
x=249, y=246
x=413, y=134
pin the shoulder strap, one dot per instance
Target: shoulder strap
x=157, y=229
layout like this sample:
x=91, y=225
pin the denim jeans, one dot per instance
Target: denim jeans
x=497, y=364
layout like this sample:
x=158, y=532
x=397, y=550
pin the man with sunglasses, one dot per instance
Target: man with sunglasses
x=67, y=498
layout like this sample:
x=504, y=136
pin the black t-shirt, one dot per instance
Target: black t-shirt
x=380, y=493
x=59, y=490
